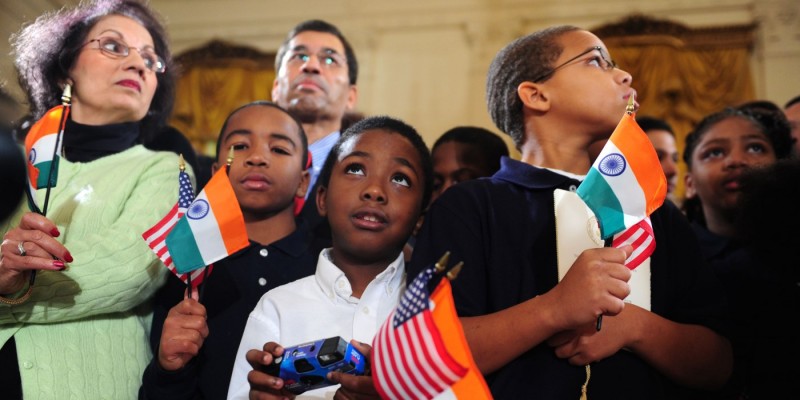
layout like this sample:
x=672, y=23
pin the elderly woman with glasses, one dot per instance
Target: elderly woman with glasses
x=75, y=282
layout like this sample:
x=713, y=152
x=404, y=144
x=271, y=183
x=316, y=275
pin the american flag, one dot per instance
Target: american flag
x=641, y=237
x=409, y=357
x=155, y=236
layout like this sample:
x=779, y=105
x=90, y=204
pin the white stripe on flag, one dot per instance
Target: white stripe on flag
x=403, y=381
x=207, y=234
x=412, y=368
x=44, y=149
x=641, y=238
x=164, y=228
x=626, y=188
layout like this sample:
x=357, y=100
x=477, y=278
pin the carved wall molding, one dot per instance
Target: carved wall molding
x=219, y=53
x=644, y=30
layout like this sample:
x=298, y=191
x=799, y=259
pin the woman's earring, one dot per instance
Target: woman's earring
x=66, y=95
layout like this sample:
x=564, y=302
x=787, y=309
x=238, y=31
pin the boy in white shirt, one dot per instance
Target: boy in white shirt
x=372, y=189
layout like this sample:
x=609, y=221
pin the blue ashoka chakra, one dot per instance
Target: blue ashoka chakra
x=32, y=156
x=612, y=164
x=198, y=209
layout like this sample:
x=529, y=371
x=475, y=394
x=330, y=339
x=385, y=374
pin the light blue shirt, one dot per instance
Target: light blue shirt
x=319, y=152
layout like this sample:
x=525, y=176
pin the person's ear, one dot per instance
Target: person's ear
x=214, y=167
x=352, y=98
x=689, y=183
x=533, y=96
x=303, y=188
x=274, y=92
x=322, y=206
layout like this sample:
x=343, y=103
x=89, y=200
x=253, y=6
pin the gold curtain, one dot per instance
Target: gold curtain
x=682, y=74
x=216, y=79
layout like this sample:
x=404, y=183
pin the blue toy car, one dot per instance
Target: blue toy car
x=305, y=367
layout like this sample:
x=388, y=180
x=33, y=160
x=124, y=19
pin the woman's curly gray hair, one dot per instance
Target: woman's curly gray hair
x=46, y=49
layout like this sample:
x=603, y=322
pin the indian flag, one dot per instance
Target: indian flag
x=626, y=182
x=43, y=146
x=212, y=228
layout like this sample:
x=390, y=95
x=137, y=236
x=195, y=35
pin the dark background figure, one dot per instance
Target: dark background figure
x=761, y=281
x=723, y=154
x=460, y=154
x=12, y=159
x=464, y=153
x=171, y=139
x=12, y=179
x=723, y=146
x=792, y=111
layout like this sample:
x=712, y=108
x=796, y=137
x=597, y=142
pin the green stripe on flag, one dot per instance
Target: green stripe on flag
x=600, y=198
x=183, y=248
x=44, y=173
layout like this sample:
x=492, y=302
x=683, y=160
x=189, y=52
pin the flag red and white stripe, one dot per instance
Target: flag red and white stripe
x=156, y=236
x=410, y=359
x=641, y=237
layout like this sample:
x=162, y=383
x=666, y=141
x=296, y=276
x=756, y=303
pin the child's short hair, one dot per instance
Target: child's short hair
x=522, y=60
x=648, y=123
x=303, y=138
x=489, y=147
x=393, y=125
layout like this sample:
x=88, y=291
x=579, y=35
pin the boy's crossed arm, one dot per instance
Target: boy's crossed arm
x=596, y=284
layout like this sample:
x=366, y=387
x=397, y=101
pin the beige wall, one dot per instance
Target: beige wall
x=425, y=60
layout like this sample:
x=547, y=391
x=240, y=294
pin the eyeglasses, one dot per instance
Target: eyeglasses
x=115, y=48
x=602, y=62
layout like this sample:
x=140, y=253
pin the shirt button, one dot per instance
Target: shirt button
x=365, y=310
x=262, y=281
x=340, y=284
x=27, y=365
x=263, y=252
x=572, y=188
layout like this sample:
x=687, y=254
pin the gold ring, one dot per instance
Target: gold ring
x=21, y=249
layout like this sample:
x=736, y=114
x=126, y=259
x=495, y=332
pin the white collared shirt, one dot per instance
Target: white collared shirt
x=317, y=307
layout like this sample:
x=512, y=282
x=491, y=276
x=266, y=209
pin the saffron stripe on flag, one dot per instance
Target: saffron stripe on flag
x=229, y=218
x=639, y=153
x=472, y=385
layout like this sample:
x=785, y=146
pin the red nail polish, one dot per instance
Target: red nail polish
x=55, y=232
x=59, y=264
x=68, y=257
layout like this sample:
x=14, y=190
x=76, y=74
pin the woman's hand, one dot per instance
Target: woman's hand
x=28, y=247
